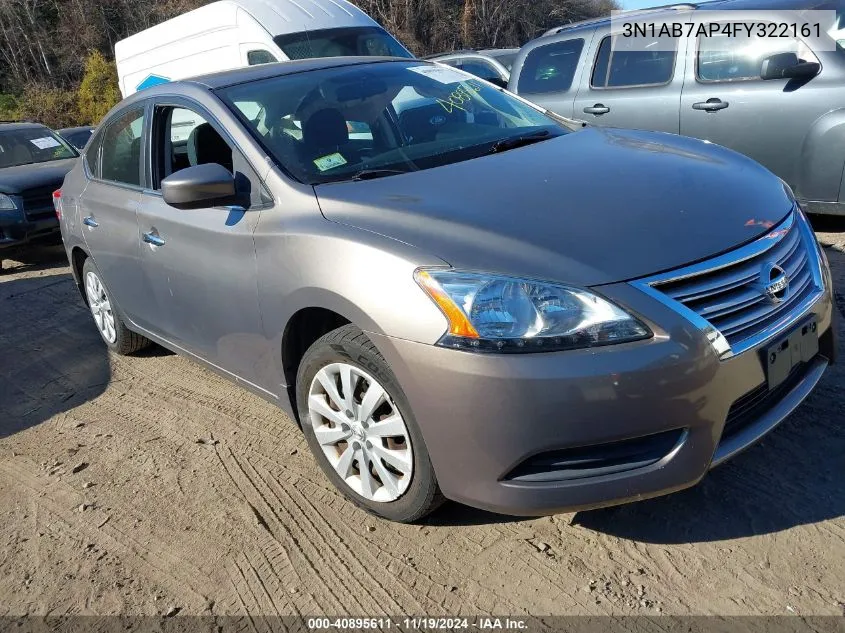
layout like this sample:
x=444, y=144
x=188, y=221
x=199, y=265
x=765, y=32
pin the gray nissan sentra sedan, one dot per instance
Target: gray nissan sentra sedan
x=454, y=294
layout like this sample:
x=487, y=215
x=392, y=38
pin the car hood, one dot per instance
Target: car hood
x=16, y=180
x=592, y=207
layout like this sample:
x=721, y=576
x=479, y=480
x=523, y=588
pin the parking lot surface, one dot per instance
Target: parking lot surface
x=147, y=485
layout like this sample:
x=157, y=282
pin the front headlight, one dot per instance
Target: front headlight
x=493, y=313
x=6, y=203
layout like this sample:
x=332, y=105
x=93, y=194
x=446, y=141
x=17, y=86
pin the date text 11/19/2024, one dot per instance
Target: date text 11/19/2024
x=418, y=623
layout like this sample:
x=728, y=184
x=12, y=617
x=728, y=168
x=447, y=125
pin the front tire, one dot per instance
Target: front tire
x=107, y=317
x=361, y=430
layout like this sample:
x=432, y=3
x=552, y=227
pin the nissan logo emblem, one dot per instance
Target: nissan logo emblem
x=774, y=282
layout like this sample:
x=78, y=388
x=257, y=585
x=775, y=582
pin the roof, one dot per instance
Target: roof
x=711, y=5
x=278, y=17
x=19, y=125
x=266, y=71
x=71, y=130
x=472, y=51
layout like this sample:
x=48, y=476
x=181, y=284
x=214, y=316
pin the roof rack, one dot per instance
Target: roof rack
x=678, y=6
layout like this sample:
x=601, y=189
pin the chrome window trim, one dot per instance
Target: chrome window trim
x=720, y=344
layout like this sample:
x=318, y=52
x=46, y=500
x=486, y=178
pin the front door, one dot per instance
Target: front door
x=725, y=101
x=199, y=264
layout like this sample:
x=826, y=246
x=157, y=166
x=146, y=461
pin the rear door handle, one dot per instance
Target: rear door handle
x=711, y=105
x=89, y=221
x=153, y=239
x=597, y=109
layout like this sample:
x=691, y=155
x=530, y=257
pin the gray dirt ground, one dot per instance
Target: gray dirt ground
x=193, y=494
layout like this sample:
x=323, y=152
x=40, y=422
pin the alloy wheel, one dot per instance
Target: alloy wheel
x=98, y=301
x=361, y=432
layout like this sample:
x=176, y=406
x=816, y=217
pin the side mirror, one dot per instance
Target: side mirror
x=210, y=185
x=787, y=66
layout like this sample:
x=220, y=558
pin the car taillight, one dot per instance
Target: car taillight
x=57, y=202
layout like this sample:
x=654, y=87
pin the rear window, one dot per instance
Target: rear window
x=550, y=68
x=617, y=68
x=368, y=41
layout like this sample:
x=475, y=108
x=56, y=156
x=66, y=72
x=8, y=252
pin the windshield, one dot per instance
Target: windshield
x=374, y=120
x=24, y=146
x=366, y=41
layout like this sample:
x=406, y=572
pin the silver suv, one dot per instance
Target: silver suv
x=781, y=107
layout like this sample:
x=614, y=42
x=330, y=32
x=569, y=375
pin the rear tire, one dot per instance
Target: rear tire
x=379, y=432
x=107, y=316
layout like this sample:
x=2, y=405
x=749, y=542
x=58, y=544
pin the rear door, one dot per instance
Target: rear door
x=633, y=83
x=550, y=73
x=199, y=264
x=108, y=208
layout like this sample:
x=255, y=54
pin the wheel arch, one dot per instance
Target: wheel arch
x=78, y=255
x=821, y=168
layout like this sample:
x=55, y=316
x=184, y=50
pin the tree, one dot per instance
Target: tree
x=48, y=48
x=54, y=107
x=99, y=91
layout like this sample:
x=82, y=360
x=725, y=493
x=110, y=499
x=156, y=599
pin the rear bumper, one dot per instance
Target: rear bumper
x=484, y=417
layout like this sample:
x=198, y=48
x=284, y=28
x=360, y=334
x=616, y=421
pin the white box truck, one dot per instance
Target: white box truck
x=236, y=33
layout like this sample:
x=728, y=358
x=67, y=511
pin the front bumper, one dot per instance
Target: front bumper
x=482, y=416
x=18, y=228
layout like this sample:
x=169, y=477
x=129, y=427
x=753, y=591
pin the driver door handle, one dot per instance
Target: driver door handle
x=711, y=105
x=597, y=109
x=89, y=221
x=153, y=239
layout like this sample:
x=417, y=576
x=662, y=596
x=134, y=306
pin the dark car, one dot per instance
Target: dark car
x=492, y=64
x=474, y=300
x=33, y=164
x=77, y=136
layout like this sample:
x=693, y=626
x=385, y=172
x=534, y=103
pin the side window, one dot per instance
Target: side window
x=550, y=68
x=456, y=63
x=618, y=65
x=121, y=154
x=92, y=155
x=184, y=138
x=257, y=57
x=722, y=58
x=480, y=69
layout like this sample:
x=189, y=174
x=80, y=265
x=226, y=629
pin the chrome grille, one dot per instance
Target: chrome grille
x=726, y=293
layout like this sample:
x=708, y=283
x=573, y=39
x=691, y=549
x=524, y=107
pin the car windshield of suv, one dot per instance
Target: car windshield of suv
x=375, y=120
x=24, y=146
x=366, y=41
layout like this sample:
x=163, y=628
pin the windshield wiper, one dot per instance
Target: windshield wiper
x=372, y=174
x=519, y=141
